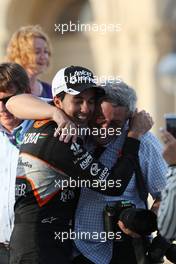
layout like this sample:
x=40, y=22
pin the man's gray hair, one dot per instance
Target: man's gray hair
x=120, y=94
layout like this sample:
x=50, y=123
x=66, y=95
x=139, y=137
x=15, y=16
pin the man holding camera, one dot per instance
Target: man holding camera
x=115, y=110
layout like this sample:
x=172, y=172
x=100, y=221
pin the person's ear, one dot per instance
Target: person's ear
x=122, y=226
x=57, y=102
x=131, y=114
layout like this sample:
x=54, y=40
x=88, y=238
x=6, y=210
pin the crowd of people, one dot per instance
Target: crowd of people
x=76, y=170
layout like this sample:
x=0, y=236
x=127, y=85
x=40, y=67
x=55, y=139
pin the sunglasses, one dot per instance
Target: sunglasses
x=5, y=99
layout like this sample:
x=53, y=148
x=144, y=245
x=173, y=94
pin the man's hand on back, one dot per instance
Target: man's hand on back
x=141, y=122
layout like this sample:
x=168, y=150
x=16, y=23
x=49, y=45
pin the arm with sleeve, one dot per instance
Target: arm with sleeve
x=154, y=167
x=76, y=162
x=167, y=212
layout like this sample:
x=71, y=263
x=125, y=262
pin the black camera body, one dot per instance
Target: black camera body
x=142, y=222
x=112, y=214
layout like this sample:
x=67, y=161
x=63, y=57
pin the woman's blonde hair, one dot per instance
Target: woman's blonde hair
x=20, y=48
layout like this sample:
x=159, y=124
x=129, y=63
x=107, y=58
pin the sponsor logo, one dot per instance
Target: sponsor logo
x=80, y=77
x=94, y=169
x=40, y=123
x=48, y=220
x=76, y=148
x=104, y=174
x=81, y=158
x=85, y=163
x=33, y=137
x=20, y=189
x=24, y=163
x=67, y=195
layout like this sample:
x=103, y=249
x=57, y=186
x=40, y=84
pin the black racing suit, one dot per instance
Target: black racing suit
x=44, y=209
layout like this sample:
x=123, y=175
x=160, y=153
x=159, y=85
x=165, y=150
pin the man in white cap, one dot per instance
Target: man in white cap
x=44, y=207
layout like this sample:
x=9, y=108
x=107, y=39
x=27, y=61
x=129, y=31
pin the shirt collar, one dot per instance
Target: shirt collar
x=12, y=135
x=19, y=131
x=3, y=129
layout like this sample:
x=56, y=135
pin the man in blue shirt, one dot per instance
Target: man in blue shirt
x=115, y=110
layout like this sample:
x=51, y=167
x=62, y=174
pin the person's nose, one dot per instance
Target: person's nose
x=85, y=108
x=41, y=55
x=44, y=54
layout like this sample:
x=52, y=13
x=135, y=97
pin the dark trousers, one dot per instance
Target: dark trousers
x=4, y=255
x=38, y=245
x=123, y=253
x=81, y=260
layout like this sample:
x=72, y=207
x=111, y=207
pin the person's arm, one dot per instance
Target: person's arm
x=166, y=213
x=73, y=160
x=81, y=163
x=153, y=166
x=27, y=106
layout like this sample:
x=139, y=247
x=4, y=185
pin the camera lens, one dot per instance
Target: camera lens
x=171, y=253
x=159, y=248
x=141, y=221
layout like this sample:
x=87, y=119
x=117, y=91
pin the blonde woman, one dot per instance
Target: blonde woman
x=29, y=46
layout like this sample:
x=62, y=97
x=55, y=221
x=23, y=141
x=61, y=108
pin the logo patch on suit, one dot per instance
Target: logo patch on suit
x=40, y=123
x=33, y=137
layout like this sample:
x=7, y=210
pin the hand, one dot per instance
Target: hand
x=127, y=231
x=169, y=152
x=141, y=122
x=66, y=129
x=155, y=206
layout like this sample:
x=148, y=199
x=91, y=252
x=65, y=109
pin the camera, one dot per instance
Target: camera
x=112, y=213
x=171, y=123
x=142, y=222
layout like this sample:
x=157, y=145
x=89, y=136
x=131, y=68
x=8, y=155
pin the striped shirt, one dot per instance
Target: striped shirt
x=167, y=210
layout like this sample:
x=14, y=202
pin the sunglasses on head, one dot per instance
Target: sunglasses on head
x=5, y=99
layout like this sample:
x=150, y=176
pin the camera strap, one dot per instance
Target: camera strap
x=139, y=249
x=138, y=243
x=141, y=186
